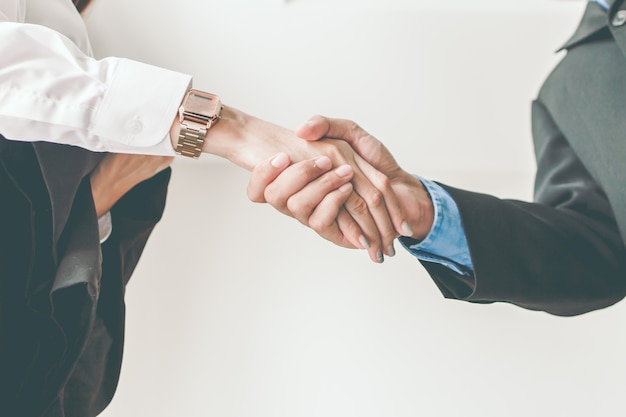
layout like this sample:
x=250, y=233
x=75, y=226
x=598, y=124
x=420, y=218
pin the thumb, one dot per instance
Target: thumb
x=319, y=127
x=263, y=174
x=316, y=128
x=366, y=145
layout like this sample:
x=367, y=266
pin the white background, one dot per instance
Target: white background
x=247, y=313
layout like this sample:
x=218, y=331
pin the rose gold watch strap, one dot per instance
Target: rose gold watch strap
x=191, y=139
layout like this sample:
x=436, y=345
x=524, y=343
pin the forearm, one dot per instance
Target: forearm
x=535, y=256
x=245, y=140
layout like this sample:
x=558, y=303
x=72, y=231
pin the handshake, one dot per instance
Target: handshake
x=331, y=175
x=353, y=194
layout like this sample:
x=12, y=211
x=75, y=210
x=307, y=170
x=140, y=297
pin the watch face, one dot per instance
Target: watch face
x=203, y=106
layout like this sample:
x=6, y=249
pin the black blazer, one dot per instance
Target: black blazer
x=563, y=254
x=61, y=292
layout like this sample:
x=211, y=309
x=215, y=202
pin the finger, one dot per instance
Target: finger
x=263, y=174
x=374, y=221
x=390, y=221
x=370, y=239
x=351, y=230
x=302, y=204
x=378, y=165
x=364, y=144
x=375, y=189
x=293, y=179
x=325, y=218
x=318, y=127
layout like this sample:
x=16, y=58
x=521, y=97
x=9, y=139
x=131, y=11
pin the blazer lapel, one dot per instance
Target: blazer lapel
x=618, y=32
x=594, y=20
x=586, y=96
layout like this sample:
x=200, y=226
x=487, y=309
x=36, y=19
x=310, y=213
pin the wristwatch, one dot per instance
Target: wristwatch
x=198, y=113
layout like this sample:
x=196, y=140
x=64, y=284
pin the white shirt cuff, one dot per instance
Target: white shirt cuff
x=105, y=226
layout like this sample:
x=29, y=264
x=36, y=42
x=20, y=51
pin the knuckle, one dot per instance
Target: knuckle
x=353, y=127
x=349, y=228
x=389, y=236
x=330, y=148
x=375, y=199
x=309, y=171
x=306, y=170
x=318, y=225
x=327, y=182
x=383, y=183
x=253, y=196
x=298, y=207
x=272, y=195
x=357, y=205
x=315, y=225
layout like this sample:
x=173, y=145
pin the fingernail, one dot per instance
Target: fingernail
x=280, y=161
x=391, y=252
x=380, y=257
x=305, y=124
x=406, y=229
x=344, y=170
x=347, y=187
x=323, y=163
x=364, y=242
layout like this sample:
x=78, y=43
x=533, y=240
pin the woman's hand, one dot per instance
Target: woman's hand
x=315, y=195
x=416, y=206
x=117, y=174
x=371, y=206
x=311, y=192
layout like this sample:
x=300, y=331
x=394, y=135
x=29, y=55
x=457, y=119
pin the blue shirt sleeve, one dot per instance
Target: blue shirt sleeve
x=602, y=3
x=446, y=243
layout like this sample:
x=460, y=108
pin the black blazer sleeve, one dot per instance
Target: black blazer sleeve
x=61, y=292
x=562, y=254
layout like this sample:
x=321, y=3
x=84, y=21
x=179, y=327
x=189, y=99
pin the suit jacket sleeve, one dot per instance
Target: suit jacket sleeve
x=562, y=254
x=61, y=292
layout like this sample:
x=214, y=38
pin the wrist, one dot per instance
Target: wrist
x=227, y=137
x=246, y=140
x=238, y=137
x=222, y=137
x=105, y=193
x=417, y=205
x=426, y=214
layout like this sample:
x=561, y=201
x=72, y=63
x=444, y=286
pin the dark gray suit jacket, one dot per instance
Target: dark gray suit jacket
x=563, y=254
x=61, y=292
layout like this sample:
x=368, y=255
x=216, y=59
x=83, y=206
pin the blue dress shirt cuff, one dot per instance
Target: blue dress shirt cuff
x=446, y=243
x=603, y=3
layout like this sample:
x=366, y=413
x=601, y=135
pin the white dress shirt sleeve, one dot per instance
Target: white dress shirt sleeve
x=52, y=90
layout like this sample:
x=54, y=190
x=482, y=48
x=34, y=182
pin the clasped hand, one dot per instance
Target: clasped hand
x=116, y=174
x=364, y=203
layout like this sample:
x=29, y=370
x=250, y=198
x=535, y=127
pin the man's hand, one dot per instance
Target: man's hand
x=371, y=207
x=117, y=174
x=414, y=200
x=314, y=195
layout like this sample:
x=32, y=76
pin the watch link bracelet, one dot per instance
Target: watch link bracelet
x=197, y=114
